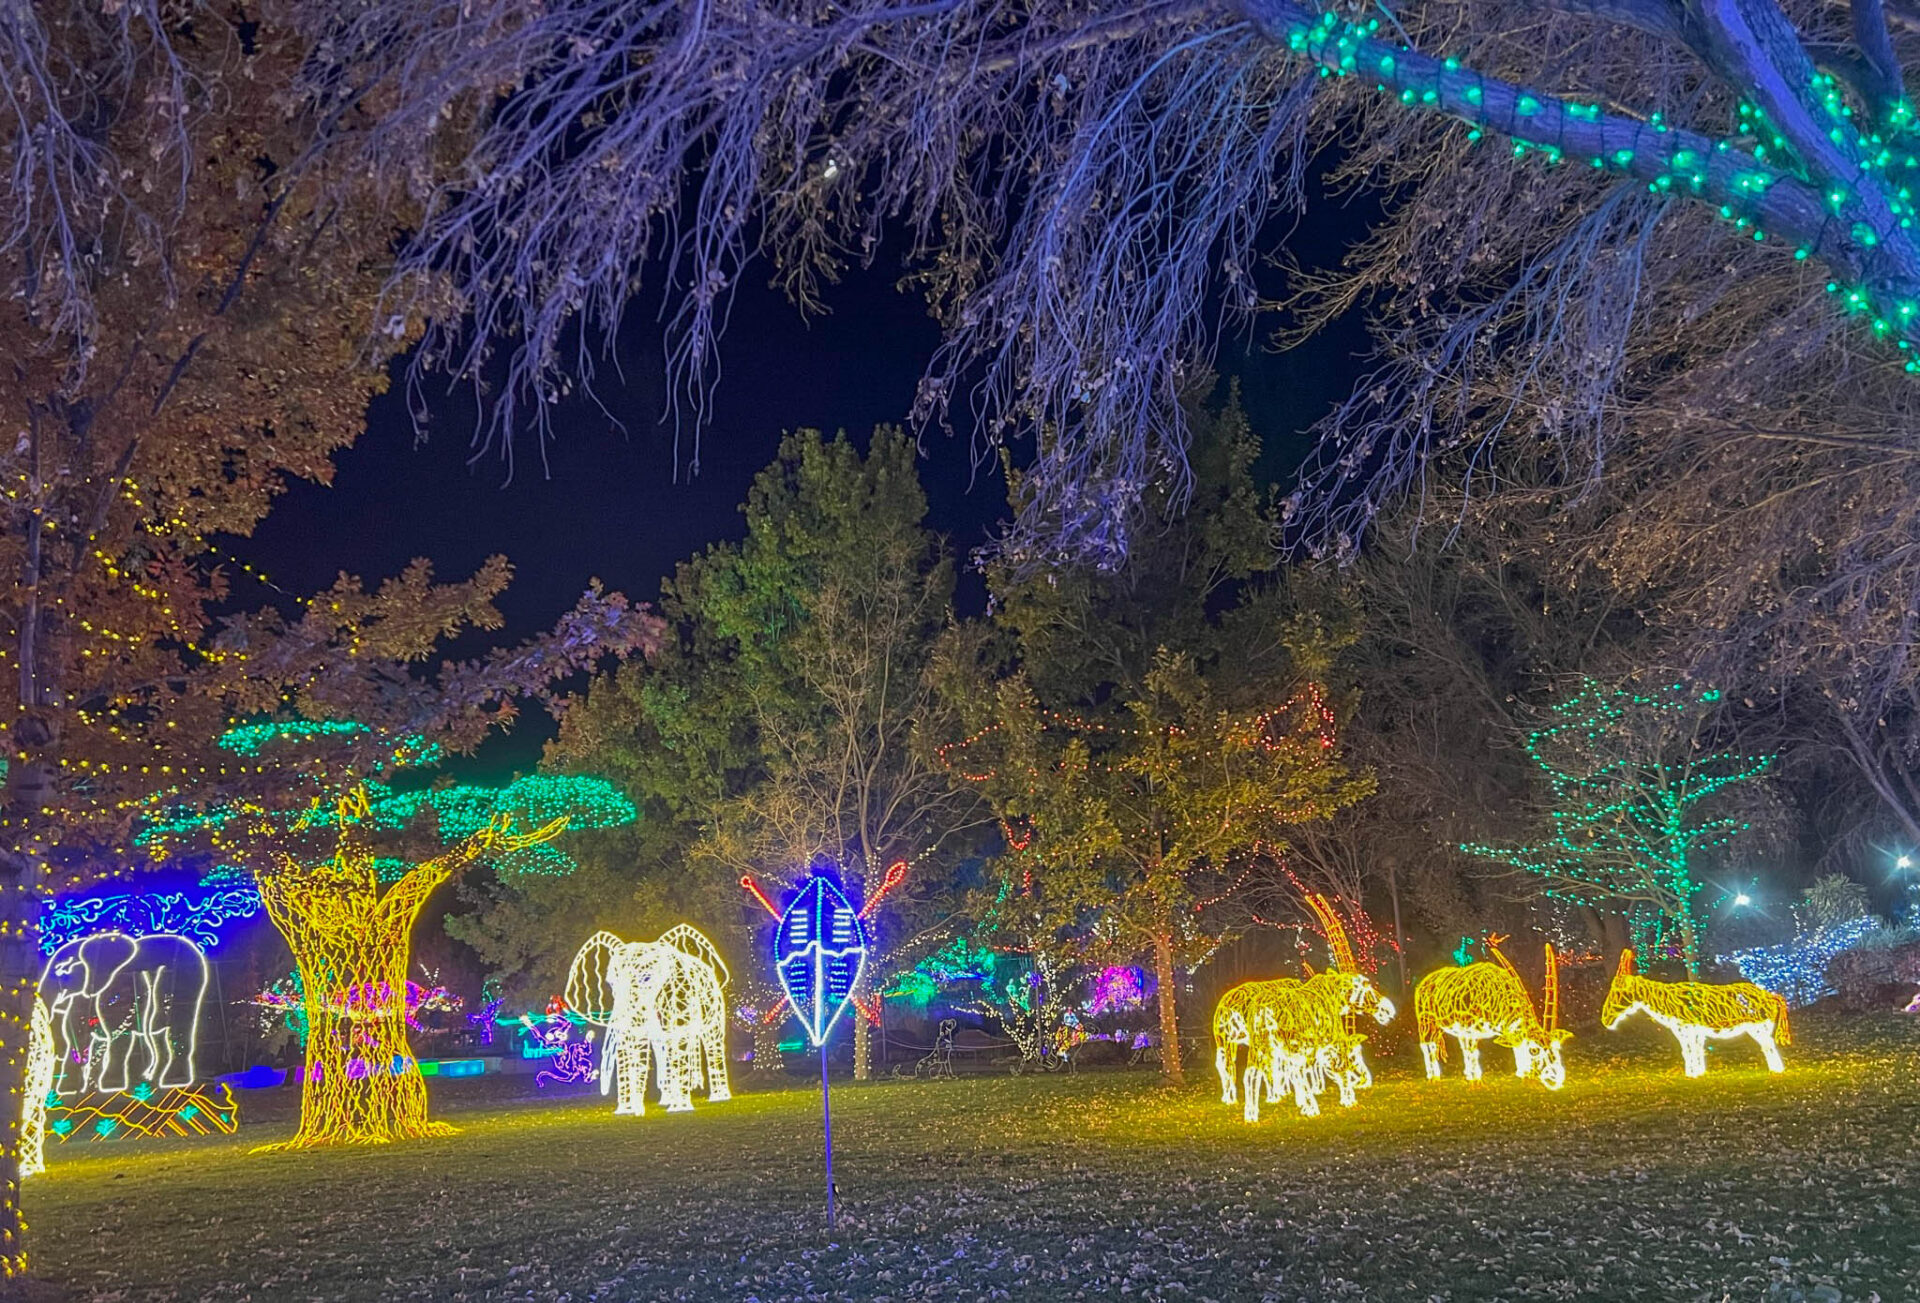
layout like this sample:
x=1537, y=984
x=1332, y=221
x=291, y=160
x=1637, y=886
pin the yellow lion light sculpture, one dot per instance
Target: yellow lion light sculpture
x=1489, y=1002
x=1296, y=1032
x=1697, y=1011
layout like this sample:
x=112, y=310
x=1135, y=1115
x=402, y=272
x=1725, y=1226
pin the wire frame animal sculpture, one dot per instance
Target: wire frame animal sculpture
x=1696, y=1012
x=938, y=1062
x=1298, y=1034
x=1489, y=1001
x=664, y=1007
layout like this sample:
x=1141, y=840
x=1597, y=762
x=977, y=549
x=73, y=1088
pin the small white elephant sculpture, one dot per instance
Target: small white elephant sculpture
x=125, y=1010
x=662, y=1003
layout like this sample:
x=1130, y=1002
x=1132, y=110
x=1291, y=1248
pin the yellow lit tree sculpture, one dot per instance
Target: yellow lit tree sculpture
x=344, y=878
x=351, y=941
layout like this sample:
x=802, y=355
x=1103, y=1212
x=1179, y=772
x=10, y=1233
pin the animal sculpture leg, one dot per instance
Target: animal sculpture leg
x=160, y=1056
x=1763, y=1037
x=100, y=1064
x=1430, y=1051
x=635, y=1052
x=1523, y=1064
x=677, y=1063
x=1250, y=1108
x=718, y=1087
x=1693, y=1052
x=1361, y=1072
x=1225, y=1069
x=1470, y=1058
x=1305, y=1097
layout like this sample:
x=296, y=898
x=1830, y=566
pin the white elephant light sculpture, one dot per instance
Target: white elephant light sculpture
x=663, y=1004
x=124, y=1010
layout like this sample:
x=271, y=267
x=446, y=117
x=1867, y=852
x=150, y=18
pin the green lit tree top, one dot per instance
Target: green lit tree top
x=318, y=761
x=1636, y=800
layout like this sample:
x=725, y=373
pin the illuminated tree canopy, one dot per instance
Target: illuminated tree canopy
x=1636, y=798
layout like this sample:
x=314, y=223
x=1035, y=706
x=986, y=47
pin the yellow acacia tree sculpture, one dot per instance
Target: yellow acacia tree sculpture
x=351, y=943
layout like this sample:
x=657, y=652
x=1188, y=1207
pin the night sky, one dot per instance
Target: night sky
x=607, y=503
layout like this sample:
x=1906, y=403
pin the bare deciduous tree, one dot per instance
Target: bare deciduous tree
x=1075, y=185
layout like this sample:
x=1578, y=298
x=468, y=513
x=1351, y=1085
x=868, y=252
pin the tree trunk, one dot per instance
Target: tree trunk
x=1689, y=940
x=20, y=964
x=1169, y=1015
x=862, y=1036
x=361, y=1084
x=1399, y=937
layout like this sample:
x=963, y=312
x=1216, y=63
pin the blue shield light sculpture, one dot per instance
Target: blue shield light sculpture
x=819, y=950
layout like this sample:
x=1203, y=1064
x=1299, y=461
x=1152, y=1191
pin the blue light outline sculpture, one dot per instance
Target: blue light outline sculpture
x=148, y=913
x=820, y=909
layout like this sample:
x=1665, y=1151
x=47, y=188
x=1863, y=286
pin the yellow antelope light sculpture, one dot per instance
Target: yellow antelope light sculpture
x=1695, y=1011
x=1489, y=1002
x=1296, y=1032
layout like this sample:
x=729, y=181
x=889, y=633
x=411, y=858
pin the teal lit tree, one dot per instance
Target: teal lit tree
x=1636, y=800
x=346, y=855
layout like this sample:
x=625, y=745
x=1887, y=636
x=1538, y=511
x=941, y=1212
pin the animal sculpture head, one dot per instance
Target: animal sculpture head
x=1536, y=1044
x=1362, y=998
x=1620, y=999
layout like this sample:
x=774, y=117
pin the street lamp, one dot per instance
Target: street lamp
x=1743, y=899
x=1904, y=863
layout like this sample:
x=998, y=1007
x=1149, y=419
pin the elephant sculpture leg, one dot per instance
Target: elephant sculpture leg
x=718, y=1087
x=634, y=1051
x=679, y=1068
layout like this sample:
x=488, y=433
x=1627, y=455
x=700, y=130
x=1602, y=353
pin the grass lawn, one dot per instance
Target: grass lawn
x=1632, y=1183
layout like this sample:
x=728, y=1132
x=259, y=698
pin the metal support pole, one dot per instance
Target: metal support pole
x=826, y=1117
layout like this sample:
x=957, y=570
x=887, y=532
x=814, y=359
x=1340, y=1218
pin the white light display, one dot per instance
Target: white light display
x=41, y=1058
x=124, y=1011
x=663, y=1005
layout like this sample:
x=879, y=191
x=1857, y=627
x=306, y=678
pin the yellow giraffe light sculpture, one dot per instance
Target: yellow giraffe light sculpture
x=361, y=1084
x=1698, y=1011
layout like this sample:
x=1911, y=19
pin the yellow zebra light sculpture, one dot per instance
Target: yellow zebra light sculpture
x=1698, y=1011
x=1489, y=1002
x=1296, y=1033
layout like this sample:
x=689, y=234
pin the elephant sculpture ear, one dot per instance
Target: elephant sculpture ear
x=590, y=985
x=689, y=941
